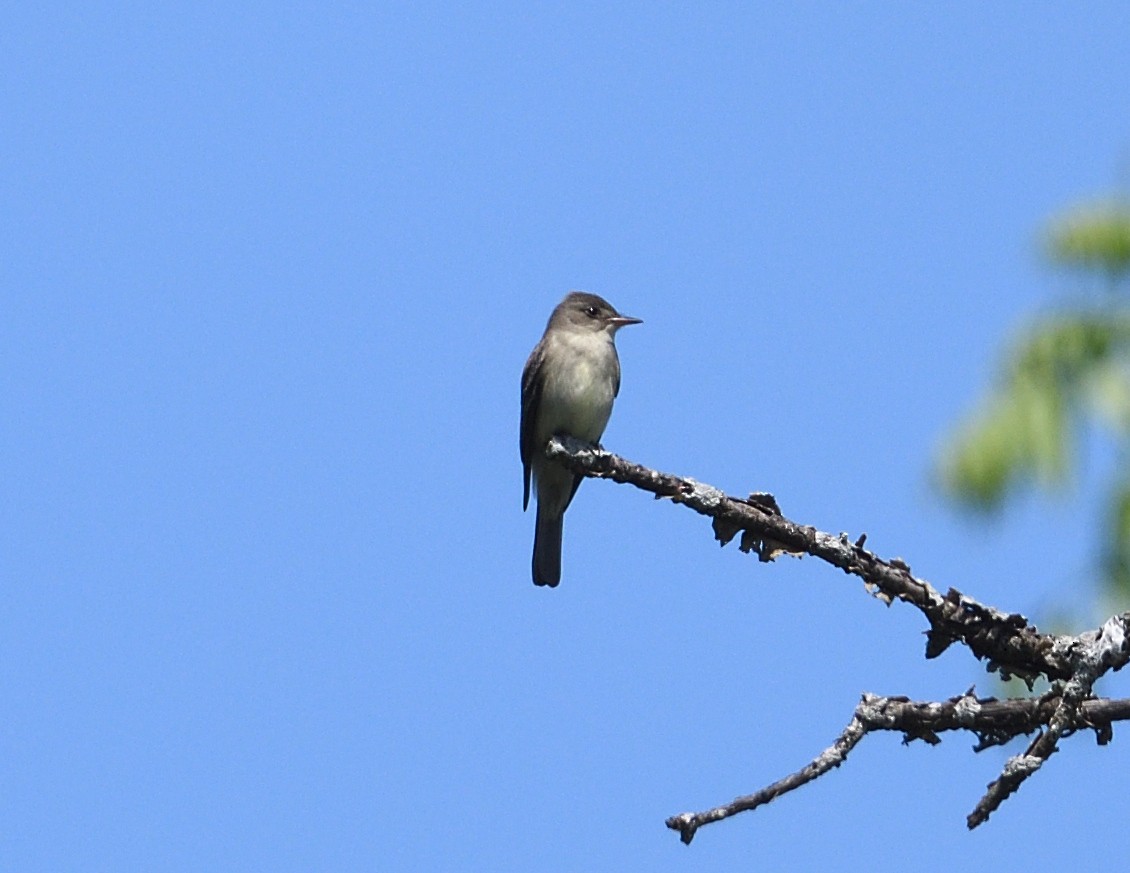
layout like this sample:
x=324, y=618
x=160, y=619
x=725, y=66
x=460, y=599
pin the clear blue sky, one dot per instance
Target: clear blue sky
x=270, y=273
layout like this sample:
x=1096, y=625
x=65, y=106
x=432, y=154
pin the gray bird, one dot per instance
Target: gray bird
x=568, y=385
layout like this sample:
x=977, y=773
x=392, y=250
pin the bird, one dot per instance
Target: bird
x=569, y=384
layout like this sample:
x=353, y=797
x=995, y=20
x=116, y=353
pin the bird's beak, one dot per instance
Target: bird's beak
x=622, y=320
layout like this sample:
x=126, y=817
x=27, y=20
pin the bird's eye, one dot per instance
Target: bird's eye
x=590, y=311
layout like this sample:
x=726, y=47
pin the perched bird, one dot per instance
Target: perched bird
x=568, y=385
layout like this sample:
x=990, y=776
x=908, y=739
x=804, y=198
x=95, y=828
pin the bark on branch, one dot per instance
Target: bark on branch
x=1007, y=641
x=994, y=721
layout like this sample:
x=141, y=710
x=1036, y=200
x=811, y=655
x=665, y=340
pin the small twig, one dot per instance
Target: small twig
x=1019, y=767
x=1093, y=654
x=689, y=822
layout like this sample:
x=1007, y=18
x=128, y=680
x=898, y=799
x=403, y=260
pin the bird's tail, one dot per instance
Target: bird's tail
x=547, y=548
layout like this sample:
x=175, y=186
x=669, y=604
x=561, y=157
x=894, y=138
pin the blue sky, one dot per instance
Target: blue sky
x=270, y=275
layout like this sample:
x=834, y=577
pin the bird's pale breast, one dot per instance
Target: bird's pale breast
x=577, y=397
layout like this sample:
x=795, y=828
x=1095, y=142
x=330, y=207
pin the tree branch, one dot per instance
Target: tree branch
x=1011, y=645
x=994, y=721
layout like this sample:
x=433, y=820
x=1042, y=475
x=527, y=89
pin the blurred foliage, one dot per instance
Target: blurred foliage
x=1066, y=374
x=1095, y=237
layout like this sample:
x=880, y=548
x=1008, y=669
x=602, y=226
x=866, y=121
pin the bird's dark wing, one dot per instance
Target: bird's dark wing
x=531, y=398
x=615, y=373
x=577, y=480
